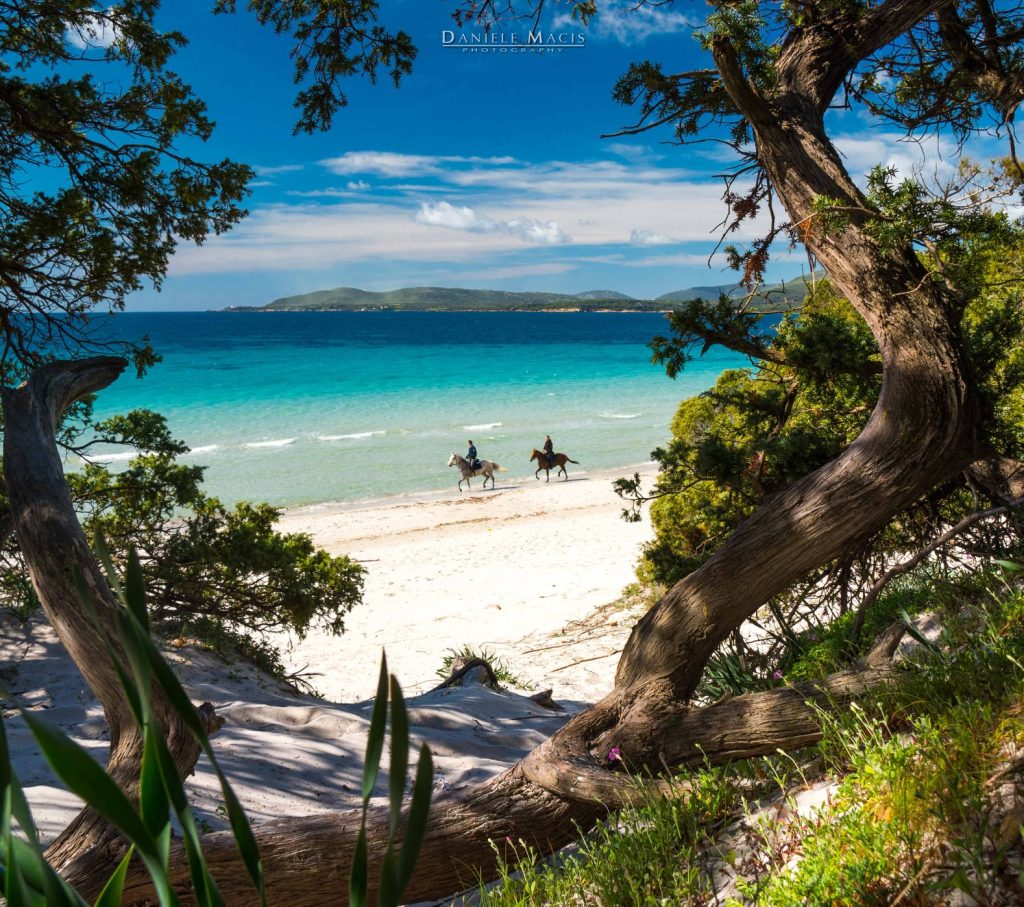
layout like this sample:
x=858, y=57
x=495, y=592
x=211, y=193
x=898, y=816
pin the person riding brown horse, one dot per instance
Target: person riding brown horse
x=556, y=461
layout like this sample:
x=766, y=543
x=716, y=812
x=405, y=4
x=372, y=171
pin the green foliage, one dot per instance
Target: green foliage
x=813, y=385
x=397, y=864
x=914, y=813
x=95, y=188
x=914, y=810
x=646, y=856
x=224, y=575
x=502, y=671
x=333, y=41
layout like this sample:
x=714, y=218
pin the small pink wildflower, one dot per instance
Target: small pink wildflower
x=776, y=674
x=614, y=754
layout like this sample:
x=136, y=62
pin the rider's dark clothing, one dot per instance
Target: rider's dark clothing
x=471, y=457
x=549, y=450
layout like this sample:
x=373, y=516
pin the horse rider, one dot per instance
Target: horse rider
x=474, y=463
x=549, y=450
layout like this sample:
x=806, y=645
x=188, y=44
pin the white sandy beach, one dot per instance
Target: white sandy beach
x=520, y=570
x=507, y=569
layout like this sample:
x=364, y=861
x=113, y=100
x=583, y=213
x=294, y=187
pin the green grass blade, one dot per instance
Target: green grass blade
x=85, y=778
x=241, y=829
x=1011, y=566
x=30, y=864
x=204, y=888
x=359, y=878
x=416, y=823
x=387, y=894
x=153, y=802
x=914, y=633
x=135, y=590
x=110, y=896
x=184, y=708
x=18, y=807
x=399, y=755
x=99, y=545
x=16, y=890
x=375, y=738
x=131, y=690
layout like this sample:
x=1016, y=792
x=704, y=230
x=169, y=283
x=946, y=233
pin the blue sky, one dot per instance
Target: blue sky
x=481, y=170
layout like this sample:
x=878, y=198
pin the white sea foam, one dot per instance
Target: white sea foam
x=205, y=449
x=281, y=442
x=114, y=457
x=484, y=427
x=355, y=436
x=621, y=415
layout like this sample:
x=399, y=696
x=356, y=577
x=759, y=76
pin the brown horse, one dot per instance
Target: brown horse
x=555, y=461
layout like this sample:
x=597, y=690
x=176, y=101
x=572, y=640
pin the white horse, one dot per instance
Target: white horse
x=487, y=470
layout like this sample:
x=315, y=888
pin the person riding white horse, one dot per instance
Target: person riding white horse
x=484, y=468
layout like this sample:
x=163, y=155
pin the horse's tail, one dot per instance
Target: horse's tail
x=571, y=460
x=498, y=468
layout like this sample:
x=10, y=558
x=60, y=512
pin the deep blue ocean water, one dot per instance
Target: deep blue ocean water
x=300, y=408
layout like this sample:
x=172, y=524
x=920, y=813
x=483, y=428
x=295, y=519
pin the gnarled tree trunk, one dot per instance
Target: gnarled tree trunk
x=921, y=432
x=55, y=548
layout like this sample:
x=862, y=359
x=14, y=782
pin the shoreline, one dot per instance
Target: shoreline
x=517, y=571
x=319, y=508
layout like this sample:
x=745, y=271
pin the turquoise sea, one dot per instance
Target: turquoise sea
x=301, y=408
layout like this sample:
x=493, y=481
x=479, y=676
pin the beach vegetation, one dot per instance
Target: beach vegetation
x=221, y=575
x=922, y=795
x=502, y=671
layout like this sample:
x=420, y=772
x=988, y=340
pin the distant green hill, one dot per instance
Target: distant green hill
x=447, y=299
x=781, y=296
x=601, y=294
x=427, y=299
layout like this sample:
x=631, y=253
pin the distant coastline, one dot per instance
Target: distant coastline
x=775, y=298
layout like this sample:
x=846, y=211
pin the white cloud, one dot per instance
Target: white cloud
x=442, y=214
x=635, y=153
x=329, y=192
x=391, y=164
x=628, y=23
x=93, y=31
x=489, y=208
x=357, y=185
x=528, y=229
x=650, y=238
x=280, y=168
x=864, y=150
